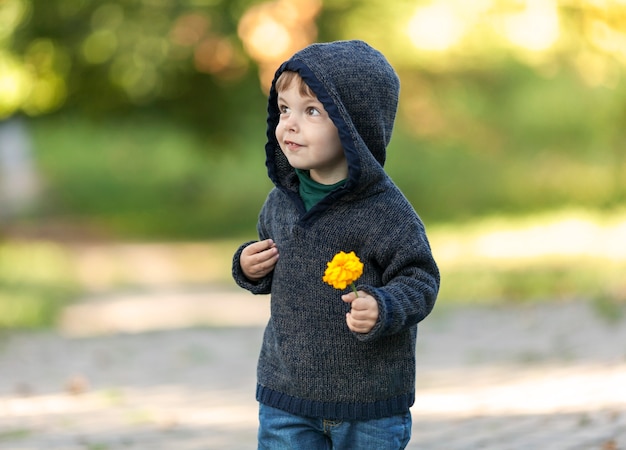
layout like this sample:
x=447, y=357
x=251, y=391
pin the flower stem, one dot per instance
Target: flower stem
x=354, y=289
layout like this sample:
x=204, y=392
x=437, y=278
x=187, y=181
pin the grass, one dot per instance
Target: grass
x=36, y=281
x=15, y=434
x=571, y=254
x=560, y=256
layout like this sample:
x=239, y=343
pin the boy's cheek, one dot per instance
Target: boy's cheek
x=278, y=131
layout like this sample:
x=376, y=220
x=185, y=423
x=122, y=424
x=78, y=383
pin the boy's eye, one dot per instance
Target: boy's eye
x=283, y=109
x=313, y=111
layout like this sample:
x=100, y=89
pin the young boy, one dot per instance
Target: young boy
x=336, y=371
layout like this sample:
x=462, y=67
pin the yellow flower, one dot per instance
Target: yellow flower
x=343, y=270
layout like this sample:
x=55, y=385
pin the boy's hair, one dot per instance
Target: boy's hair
x=287, y=77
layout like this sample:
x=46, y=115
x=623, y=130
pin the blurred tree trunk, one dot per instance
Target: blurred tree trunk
x=19, y=182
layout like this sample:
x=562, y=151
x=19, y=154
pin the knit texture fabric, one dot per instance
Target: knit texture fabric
x=310, y=363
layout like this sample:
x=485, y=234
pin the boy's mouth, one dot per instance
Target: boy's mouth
x=292, y=145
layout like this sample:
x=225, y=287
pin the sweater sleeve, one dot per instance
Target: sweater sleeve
x=264, y=285
x=410, y=282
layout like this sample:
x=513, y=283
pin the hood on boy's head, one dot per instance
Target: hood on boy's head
x=358, y=88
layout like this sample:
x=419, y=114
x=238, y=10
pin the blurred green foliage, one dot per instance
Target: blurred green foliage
x=546, y=143
x=145, y=178
x=115, y=57
x=148, y=120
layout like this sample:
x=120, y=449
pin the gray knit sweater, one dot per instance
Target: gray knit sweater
x=311, y=364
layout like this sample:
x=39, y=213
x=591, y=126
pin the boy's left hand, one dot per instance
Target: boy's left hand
x=363, y=313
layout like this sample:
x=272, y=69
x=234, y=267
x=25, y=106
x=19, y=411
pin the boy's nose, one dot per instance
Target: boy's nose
x=291, y=124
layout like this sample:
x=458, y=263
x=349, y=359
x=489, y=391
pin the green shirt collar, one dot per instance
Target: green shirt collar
x=311, y=191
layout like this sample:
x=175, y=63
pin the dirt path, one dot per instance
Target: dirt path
x=176, y=370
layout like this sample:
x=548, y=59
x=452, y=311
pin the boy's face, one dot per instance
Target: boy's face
x=308, y=137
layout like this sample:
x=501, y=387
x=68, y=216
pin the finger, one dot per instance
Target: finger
x=360, y=304
x=364, y=313
x=349, y=321
x=259, y=247
x=348, y=298
x=265, y=256
x=359, y=315
x=358, y=326
x=355, y=320
x=269, y=261
x=267, y=244
x=265, y=266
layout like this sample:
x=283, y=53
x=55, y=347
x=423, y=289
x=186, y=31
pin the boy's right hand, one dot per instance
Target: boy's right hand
x=258, y=259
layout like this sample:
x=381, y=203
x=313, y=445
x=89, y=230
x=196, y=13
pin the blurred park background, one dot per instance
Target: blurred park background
x=132, y=134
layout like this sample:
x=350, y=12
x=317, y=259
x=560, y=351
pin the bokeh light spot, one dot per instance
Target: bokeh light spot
x=435, y=27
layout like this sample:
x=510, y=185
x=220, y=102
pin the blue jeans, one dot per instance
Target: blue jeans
x=280, y=430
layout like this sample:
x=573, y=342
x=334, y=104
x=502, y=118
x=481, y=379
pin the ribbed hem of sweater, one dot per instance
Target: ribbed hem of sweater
x=335, y=410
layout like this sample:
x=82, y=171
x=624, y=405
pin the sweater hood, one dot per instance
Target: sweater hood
x=359, y=90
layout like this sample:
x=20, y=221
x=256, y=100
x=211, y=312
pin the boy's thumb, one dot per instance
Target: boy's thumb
x=348, y=298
